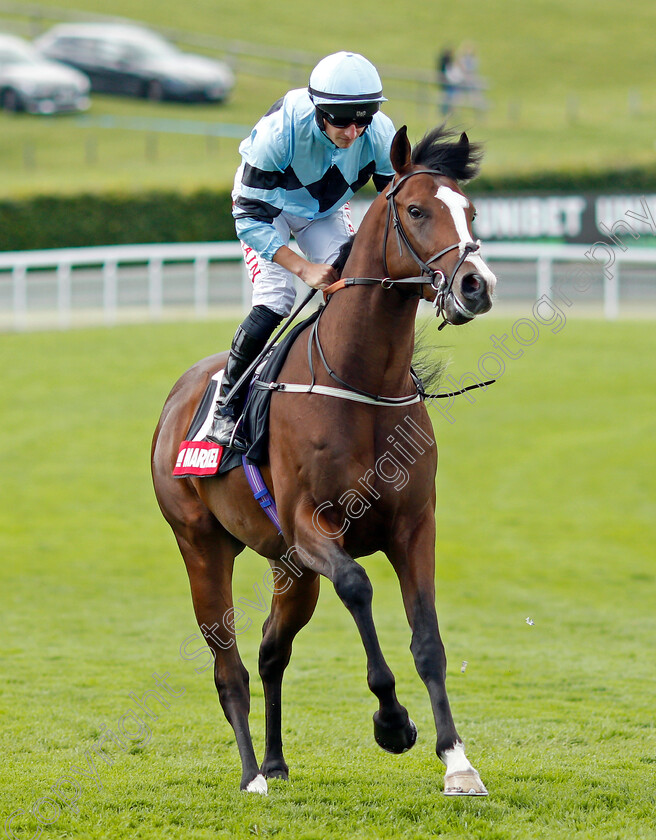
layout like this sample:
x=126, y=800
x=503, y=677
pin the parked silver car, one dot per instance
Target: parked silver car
x=29, y=82
x=133, y=61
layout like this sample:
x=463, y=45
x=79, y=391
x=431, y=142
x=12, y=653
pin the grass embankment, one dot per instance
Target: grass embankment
x=545, y=510
x=569, y=89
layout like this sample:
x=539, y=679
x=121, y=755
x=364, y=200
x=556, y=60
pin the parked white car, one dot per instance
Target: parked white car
x=29, y=82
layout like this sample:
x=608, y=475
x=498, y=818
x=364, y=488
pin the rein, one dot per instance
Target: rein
x=350, y=392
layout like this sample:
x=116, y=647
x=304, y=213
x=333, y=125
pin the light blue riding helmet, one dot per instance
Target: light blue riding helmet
x=346, y=84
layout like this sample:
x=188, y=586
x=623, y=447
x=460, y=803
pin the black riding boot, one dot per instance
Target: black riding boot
x=249, y=341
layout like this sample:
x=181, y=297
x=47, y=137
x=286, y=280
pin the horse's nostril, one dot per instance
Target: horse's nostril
x=471, y=285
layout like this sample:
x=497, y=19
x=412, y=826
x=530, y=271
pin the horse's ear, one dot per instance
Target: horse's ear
x=400, y=153
x=464, y=141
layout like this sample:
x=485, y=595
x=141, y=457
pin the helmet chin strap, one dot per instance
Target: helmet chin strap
x=322, y=128
x=319, y=120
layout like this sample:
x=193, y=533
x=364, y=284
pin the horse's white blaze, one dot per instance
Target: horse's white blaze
x=258, y=785
x=482, y=269
x=457, y=204
x=455, y=759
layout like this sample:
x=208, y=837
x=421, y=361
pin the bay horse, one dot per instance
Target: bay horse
x=341, y=493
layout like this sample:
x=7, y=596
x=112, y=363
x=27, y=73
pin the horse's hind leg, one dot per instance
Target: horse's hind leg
x=209, y=552
x=291, y=608
x=413, y=558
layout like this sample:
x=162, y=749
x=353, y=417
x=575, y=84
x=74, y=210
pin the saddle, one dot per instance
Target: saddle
x=198, y=458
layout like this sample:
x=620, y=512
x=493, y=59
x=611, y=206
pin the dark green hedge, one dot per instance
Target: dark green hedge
x=113, y=219
x=74, y=221
x=635, y=179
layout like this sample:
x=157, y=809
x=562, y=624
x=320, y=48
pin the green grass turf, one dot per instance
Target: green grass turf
x=562, y=75
x=545, y=509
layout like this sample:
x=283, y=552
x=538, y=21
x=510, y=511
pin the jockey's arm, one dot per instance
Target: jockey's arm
x=315, y=275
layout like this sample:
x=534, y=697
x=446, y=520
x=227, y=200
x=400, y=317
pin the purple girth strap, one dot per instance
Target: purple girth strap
x=260, y=491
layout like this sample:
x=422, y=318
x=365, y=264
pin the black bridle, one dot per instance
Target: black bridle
x=429, y=275
x=434, y=276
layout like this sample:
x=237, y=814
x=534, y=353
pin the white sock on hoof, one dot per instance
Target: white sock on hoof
x=258, y=785
x=461, y=779
x=455, y=759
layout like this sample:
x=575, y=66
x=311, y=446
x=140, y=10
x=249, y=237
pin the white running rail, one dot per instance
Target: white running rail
x=47, y=283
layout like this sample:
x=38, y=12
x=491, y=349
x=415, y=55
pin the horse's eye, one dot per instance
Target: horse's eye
x=414, y=212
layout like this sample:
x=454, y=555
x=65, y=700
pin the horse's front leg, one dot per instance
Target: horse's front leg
x=393, y=729
x=413, y=558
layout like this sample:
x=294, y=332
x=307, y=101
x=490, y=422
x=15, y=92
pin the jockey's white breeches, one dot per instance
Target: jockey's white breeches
x=319, y=241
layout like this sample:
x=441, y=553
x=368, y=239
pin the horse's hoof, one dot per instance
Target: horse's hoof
x=464, y=783
x=397, y=740
x=275, y=772
x=258, y=785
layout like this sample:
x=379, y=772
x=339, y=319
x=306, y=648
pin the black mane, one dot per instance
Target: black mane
x=343, y=255
x=445, y=151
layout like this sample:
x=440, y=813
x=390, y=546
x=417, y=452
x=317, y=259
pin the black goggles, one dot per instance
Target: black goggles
x=361, y=117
